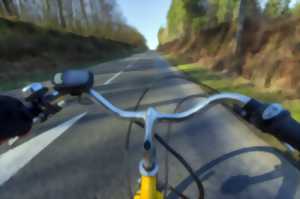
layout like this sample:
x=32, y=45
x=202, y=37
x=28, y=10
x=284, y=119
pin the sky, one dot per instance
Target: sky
x=147, y=16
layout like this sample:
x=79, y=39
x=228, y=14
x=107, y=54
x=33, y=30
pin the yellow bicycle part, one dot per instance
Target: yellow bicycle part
x=148, y=189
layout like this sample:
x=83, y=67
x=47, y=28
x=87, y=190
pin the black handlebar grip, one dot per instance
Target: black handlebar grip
x=285, y=128
x=273, y=119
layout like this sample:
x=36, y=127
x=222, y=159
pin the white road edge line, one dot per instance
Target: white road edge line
x=15, y=159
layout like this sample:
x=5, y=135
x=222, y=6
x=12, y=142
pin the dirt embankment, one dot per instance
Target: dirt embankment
x=270, y=57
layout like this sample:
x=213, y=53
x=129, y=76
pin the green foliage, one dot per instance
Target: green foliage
x=285, y=7
x=177, y=18
x=185, y=15
x=195, y=15
x=225, y=10
x=273, y=8
x=195, y=8
x=199, y=22
x=277, y=8
x=296, y=9
x=162, y=35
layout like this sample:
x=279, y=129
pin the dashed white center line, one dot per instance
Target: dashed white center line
x=129, y=66
x=15, y=159
x=113, y=77
x=117, y=74
x=12, y=140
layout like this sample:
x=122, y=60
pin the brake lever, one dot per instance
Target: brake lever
x=42, y=101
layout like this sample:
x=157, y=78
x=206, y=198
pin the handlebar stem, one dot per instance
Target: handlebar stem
x=149, y=148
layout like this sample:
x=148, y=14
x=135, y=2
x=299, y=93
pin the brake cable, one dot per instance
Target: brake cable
x=165, y=144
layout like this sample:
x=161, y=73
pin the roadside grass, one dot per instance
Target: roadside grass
x=222, y=82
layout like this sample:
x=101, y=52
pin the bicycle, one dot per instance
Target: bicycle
x=76, y=83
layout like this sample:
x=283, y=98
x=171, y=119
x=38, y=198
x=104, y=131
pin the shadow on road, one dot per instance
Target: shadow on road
x=236, y=184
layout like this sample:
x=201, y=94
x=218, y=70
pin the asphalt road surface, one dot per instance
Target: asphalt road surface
x=80, y=153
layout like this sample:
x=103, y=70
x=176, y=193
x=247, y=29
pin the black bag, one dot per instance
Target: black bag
x=15, y=119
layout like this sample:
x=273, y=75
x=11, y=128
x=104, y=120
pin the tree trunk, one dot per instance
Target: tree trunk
x=70, y=15
x=249, y=19
x=47, y=10
x=23, y=10
x=83, y=11
x=17, y=8
x=8, y=8
x=2, y=9
x=240, y=27
x=61, y=14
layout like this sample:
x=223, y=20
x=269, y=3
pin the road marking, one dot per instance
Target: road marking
x=113, y=77
x=129, y=66
x=117, y=74
x=15, y=159
x=12, y=140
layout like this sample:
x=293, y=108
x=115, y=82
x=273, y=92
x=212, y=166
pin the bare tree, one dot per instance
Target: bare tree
x=100, y=18
x=46, y=9
x=7, y=6
x=10, y=8
x=69, y=14
x=2, y=9
x=61, y=14
x=83, y=11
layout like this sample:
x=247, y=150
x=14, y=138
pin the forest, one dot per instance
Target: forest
x=100, y=18
x=186, y=16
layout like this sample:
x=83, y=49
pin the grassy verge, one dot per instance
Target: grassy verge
x=223, y=82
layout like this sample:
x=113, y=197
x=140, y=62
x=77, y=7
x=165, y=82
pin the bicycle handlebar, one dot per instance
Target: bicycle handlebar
x=151, y=116
x=271, y=118
x=165, y=116
x=203, y=104
x=109, y=106
x=287, y=129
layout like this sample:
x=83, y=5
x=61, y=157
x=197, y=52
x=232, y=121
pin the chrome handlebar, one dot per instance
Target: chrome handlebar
x=95, y=96
x=165, y=116
x=150, y=116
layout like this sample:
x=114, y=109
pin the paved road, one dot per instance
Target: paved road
x=89, y=161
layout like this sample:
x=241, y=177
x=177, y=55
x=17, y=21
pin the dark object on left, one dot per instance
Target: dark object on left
x=15, y=118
